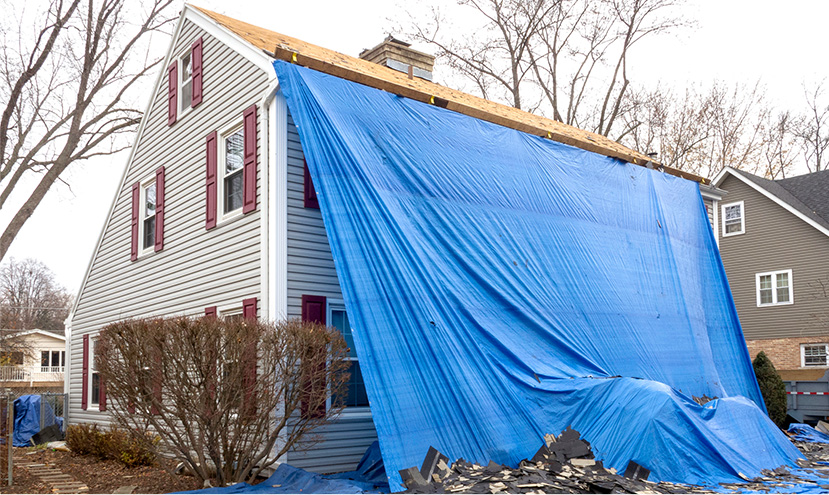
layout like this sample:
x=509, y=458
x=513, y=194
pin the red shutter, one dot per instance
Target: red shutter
x=210, y=311
x=249, y=173
x=249, y=309
x=196, y=60
x=159, y=208
x=313, y=309
x=136, y=198
x=172, y=93
x=212, y=156
x=102, y=395
x=310, y=193
x=85, y=373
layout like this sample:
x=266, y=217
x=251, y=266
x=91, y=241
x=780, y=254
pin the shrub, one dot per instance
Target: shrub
x=772, y=388
x=129, y=447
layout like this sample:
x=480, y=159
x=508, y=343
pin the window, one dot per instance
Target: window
x=94, y=376
x=774, y=288
x=148, y=202
x=231, y=162
x=11, y=358
x=733, y=219
x=185, y=73
x=813, y=355
x=355, y=392
x=52, y=361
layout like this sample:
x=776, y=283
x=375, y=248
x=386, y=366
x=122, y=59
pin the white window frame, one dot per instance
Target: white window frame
x=142, y=207
x=93, y=347
x=742, y=218
x=182, y=108
x=774, y=288
x=353, y=411
x=237, y=126
x=803, y=356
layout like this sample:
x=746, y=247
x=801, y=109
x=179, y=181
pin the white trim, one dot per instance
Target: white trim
x=92, y=370
x=794, y=211
x=279, y=207
x=774, y=288
x=803, y=355
x=38, y=332
x=715, y=207
x=142, y=200
x=742, y=218
x=209, y=26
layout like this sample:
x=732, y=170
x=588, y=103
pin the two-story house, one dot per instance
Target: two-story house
x=217, y=214
x=774, y=240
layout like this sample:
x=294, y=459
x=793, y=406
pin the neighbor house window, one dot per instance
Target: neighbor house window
x=231, y=163
x=813, y=355
x=355, y=391
x=52, y=361
x=774, y=288
x=186, y=81
x=733, y=219
x=148, y=203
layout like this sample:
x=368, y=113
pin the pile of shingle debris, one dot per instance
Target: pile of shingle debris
x=566, y=465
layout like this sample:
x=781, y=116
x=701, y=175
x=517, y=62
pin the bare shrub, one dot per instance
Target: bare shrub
x=228, y=397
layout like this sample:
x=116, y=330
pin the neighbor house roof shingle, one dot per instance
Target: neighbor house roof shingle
x=808, y=194
x=364, y=72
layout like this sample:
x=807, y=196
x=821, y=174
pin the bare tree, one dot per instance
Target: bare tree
x=65, y=89
x=564, y=58
x=228, y=397
x=30, y=297
x=780, y=145
x=814, y=130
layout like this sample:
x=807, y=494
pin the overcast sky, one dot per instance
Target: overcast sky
x=736, y=40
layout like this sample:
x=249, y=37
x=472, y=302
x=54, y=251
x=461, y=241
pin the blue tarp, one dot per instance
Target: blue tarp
x=27, y=419
x=805, y=433
x=501, y=286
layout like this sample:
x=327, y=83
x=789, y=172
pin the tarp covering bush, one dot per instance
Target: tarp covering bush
x=501, y=286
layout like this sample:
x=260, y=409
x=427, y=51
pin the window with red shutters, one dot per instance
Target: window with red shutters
x=159, y=209
x=172, y=93
x=249, y=117
x=197, y=76
x=212, y=160
x=136, y=198
x=313, y=309
x=310, y=193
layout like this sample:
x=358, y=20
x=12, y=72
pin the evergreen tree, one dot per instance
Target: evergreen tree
x=772, y=388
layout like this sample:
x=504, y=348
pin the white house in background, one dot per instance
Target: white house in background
x=32, y=359
x=216, y=213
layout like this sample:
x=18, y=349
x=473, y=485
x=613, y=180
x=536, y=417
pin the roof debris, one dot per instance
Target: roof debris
x=566, y=464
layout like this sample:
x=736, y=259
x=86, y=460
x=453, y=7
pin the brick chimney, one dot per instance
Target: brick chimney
x=398, y=55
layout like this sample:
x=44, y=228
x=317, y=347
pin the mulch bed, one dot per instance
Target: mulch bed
x=99, y=476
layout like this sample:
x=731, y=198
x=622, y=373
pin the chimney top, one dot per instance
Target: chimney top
x=399, y=55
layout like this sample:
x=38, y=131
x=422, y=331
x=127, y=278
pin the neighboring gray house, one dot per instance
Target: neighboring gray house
x=774, y=242
x=216, y=213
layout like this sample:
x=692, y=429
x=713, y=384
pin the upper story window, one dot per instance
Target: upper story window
x=148, y=201
x=94, y=376
x=774, y=288
x=813, y=355
x=185, y=73
x=231, y=165
x=733, y=219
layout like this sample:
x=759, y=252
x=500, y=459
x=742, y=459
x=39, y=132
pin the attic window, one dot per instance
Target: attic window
x=186, y=82
x=733, y=219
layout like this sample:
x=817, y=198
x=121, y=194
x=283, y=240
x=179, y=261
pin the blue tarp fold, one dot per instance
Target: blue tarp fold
x=805, y=433
x=501, y=286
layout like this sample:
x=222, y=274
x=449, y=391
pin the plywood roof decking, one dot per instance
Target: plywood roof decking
x=370, y=74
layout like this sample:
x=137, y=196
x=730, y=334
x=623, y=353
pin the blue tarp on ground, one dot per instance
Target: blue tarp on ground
x=805, y=433
x=27, y=419
x=501, y=286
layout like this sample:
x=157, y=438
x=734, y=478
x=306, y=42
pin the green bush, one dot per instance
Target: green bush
x=130, y=448
x=772, y=388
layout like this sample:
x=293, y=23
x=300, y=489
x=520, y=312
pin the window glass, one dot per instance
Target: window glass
x=186, y=81
x=733, y=219
x=94, y=376
x=355, y=393
x=766, y=296
x=814, y=355
x=149, y=216
x=234, y=160
x=44, y=358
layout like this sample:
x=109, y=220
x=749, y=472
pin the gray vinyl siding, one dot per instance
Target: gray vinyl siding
x=197, y=268
x=774, y=240
x=311, y=271
x=709, y=209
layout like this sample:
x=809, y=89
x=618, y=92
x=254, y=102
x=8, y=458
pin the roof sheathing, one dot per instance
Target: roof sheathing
x=370, y=74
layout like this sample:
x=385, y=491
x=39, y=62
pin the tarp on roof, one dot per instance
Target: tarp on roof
x=501, y=286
